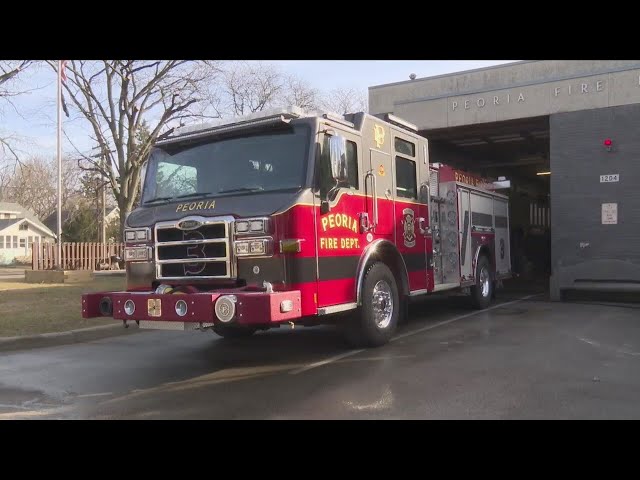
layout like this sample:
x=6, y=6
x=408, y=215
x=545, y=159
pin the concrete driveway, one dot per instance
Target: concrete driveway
x=524, y=358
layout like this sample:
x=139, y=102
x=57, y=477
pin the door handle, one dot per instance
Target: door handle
x=423, y=230
x=365, y=226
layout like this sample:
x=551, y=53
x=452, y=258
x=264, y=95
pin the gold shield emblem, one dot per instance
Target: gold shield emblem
x=378, y=134
x=154, y=307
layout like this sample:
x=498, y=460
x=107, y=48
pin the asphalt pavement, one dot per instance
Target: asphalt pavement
x=525, y=358
x=11, y=273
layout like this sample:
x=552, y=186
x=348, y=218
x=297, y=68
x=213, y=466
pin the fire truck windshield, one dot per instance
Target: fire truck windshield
x=261, y=162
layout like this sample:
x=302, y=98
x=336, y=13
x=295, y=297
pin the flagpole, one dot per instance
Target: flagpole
x=59, y=104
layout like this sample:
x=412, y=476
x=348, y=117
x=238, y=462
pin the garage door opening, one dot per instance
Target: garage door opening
x=518, y=150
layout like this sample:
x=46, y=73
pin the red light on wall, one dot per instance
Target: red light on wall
x=607, y=144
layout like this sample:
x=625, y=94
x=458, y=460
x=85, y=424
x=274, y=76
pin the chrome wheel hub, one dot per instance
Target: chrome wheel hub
x=485, y=281
x=382, y=304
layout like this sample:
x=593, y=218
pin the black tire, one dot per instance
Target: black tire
x=482, y=291
x=363, y=329
x=229, y=331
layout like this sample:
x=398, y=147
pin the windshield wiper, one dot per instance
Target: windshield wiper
x=159, y=199
x=254, y=188
x=196, y=194
x=176, y=197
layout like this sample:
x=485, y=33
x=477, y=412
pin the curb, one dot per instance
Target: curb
x=64, y=338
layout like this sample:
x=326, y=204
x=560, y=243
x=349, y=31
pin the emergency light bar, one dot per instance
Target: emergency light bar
x=400, y=122
x=258, y=118
x=338, y=118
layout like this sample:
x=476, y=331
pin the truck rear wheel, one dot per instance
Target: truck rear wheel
x=482, y=291
x=228, y=331
x=376, y=320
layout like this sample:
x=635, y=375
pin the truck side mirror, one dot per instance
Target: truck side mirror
x=338, y=158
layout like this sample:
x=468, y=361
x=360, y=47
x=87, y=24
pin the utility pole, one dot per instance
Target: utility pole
x=104, y=213
x=59, y=232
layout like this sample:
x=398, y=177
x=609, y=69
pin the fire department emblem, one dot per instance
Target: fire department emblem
x=408, y=221
x=154, y=307
x=378, y=134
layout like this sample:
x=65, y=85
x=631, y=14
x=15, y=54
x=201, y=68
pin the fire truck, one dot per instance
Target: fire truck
x=288, y=218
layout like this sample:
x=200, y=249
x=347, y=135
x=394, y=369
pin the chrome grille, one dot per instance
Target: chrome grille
x=200, y=252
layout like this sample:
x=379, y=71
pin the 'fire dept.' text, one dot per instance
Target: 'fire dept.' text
x=338, y=243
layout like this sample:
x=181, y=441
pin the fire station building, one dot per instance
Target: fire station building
x=567, y=135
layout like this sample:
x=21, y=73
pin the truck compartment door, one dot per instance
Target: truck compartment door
x=464, y=226
x=503, y=247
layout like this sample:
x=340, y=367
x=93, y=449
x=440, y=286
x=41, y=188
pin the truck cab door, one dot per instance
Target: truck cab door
x=340, y=240
x=380, y=194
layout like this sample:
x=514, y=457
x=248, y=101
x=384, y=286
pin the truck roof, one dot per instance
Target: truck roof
x=274, y=116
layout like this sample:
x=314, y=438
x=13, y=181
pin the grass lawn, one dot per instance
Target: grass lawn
x=31, y=308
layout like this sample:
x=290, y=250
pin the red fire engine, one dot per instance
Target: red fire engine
x=289, y=217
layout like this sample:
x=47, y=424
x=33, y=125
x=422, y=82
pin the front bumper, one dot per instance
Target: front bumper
x=252, y=308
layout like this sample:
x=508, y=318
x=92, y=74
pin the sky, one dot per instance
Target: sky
x=32, y=118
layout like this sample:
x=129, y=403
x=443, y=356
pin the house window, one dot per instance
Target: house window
x=1, y=241
x=8, y=243
x=30, y=242
x=24, y=226
x=15, y=241
x=23, y=242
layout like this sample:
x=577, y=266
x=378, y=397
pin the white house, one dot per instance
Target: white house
x=113, y=214
x=19, y=230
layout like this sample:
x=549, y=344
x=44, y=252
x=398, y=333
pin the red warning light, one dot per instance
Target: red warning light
x=607, y=142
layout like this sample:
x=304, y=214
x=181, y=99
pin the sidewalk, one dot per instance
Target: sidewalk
x=11, y=273
x=55, y=339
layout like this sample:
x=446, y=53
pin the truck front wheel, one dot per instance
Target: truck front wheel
x=375, y=321
x=228, y=331
x=482, y=291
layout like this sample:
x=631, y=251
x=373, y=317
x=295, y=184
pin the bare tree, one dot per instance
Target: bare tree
x=249, y=87
x=115, y=97
x=10, y=71
x=300, y=93
x=5, y=178
x=345, y=100
x=34, y=185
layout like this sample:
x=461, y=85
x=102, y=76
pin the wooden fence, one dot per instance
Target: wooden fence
x=77, y=256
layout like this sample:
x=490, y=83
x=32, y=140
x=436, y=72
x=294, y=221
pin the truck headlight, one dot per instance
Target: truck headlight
x=257, y=226
x=242, y=226
x=137, y=235
x=225, y=308
x=256, y=247
x=252, y=226
x=133, y=254
x=129, y=307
